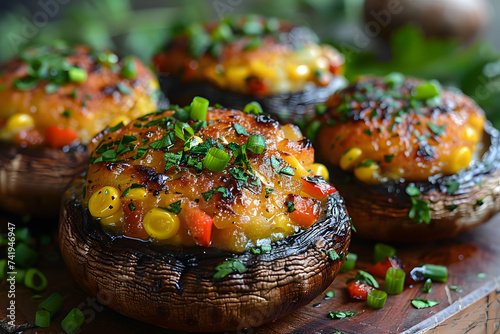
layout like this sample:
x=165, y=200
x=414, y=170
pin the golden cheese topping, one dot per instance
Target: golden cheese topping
x=250, y=55
x=396, y=127
x=228, y=179
x=57, y=95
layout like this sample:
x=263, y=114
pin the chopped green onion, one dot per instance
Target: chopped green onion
x=427, y=286
x=77, y=75
x=256, y=144
x=394, y=281
x=381, y=251
x=72, y=322
x=435, y=272
x=229, y=267
x=350, y=262
x=199, y=108
x=364, y=277
x=427, y=90
x=216, y=159
x=253, y=108
x=42, y=318
x=129, y=69
x=25, y=256
x=376, y=298
x=52, y=304
x=35, y=280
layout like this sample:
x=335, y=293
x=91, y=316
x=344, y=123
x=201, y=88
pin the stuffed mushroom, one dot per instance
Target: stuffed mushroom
x=54, y=100
x=197, y=219
x=415, y=161
x=251, y=58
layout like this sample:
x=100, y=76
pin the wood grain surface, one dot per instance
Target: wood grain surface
x=474, y=310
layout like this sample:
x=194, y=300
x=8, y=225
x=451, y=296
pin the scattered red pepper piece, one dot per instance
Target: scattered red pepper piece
x=200, y=225
x=380, y=268
x=58, y=137
x=358, y=290
x=317, y=189
x=305, y=211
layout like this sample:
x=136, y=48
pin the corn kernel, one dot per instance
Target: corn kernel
x=154, y=85
x=192, y=142
x=350, y=158
x=368, y=174
x=282, y=224
x=261, y=69
x=105, y=202
x=120, y=119
x=469, y=133
x=18, y=122
x=460, y=159
x=476, y=121
x=300, y=72
x=136, y=193
x=161, y=224
x=320, y=170
x=300, y=171
x=113, y=220
x=236, y=75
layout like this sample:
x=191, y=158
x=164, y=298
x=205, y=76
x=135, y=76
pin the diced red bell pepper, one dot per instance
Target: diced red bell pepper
x=306, y=210
x=200, y=225
x=134, y=213
x=380, y=268
x=358, y=290
x=256, y=86
x=317, y=189
x=58, y=137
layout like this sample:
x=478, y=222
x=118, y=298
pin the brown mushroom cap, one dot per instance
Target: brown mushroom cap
x=381, y=212
x=174, y=287
x=32, y=180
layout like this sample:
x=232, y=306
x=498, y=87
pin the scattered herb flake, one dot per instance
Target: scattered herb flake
x=291, y=206
x=455, y=288
x=174, y=207
x=437, y=129
x=329, y=294
x=368, y=132
x=452, y=186
x=240, y=129
x=342, y=314
x=388, y=158
x=481, y=275
x=229, y=267
x=420, y=303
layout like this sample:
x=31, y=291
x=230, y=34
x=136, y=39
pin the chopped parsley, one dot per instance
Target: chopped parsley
x=389, y=157
x=174, y=207
x=342, y=314
x=240, y=129
x=228, y=267
x=420, y=303
x=437, y=129
x=452, y=186
x=291, y=206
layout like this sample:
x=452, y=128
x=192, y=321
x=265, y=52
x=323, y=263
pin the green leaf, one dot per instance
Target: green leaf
x=240, y=129
x=342, y=314
x=228, y=267
x=452, y=186
x=411, y=190
x=174, y=207
x=420, y=211
x=329, y=294
x=364, y=277
x=437, y=129
x=420, y=303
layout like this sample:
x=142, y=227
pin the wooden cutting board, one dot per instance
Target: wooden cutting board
x=474, y=310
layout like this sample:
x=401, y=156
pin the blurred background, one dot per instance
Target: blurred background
x=455, y=41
